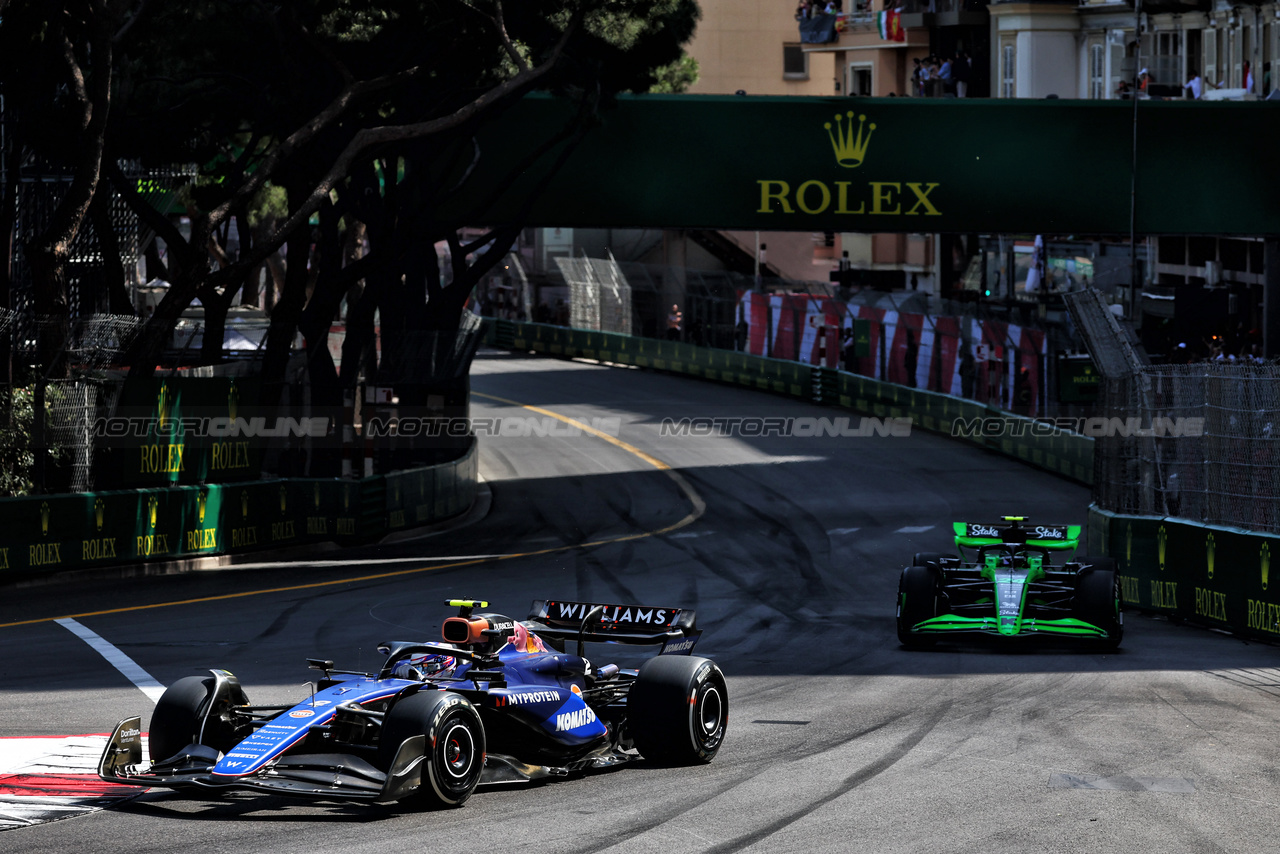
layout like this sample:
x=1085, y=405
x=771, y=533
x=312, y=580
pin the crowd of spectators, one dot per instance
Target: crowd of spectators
x=808, y=8
x=941, y=76
x=1241, y=347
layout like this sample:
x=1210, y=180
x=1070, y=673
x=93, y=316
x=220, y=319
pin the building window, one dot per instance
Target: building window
x=1097, y=71
x=795, y=63
x=1006, y=71
x=860, y=80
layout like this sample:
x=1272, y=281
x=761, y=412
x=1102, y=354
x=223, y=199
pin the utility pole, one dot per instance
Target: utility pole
x=1133, y=174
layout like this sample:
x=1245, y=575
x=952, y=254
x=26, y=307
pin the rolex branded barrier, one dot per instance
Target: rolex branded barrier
x=42, y=534
x=1210, y=575
x=1034, y=442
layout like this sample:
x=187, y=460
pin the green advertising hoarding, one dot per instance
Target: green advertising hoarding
x=881, y=165
x=44, y=534
x=166, y=431
x=1211, y=575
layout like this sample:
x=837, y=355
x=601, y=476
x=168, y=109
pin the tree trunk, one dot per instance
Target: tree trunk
x=118, y=301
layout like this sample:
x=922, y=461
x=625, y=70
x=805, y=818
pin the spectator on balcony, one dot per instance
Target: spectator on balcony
x=926, y=73
x=917, y=81
x=1194, y=83
x=945, y=82
x=935, y=77
x=960, y=73
x=804, y=10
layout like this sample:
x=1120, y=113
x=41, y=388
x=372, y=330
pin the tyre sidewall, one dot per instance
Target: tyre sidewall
x=450, y=723
x=917, y=601
x=678, y=709
x=175, y=722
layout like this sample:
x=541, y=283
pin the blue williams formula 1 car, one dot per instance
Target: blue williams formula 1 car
x=1010, y=588
x=499, y=702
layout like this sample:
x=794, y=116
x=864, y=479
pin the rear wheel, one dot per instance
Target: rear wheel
x=917, y=601
x=1098, y=599
x=678, y=709
x=179, y=720
x=454, y=749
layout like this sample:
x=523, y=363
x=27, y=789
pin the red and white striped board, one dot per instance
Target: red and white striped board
x=47, y=778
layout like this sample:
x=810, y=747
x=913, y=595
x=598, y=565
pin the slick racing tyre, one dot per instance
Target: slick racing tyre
x=455, y=745
x=1098, y=599
x=678, y=709
x=917, y=601
x=179, y=715
x=926, y=558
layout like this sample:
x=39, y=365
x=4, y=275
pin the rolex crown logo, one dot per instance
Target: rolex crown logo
x=1209, y=547
x=284, y=499
x=233, y=401
x=850, y=149
x=44, y=518
x=151, y=512
x=244, y=503
x=99, y=506
x=317, y=496
x=1128, y=545
x=1162, y=538
x=346, y=496
x=200, y=502
x=1264, y=559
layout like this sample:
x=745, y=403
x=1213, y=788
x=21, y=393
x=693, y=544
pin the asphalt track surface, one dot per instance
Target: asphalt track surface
x=789, y=549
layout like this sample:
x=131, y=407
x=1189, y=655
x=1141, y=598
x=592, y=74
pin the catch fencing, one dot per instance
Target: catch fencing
x=892, y=337
x=1199, y=442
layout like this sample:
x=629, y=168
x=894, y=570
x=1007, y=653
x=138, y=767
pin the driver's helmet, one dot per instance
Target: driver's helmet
x=424, y=666
x=523, y=640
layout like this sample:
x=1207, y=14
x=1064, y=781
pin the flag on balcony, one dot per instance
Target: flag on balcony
x=889, y=22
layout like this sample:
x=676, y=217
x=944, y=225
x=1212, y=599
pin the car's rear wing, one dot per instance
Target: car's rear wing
x=1051, y=537
x=559, y=621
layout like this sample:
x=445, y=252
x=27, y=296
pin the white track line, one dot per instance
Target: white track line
x=117, y=659
x=915, y=529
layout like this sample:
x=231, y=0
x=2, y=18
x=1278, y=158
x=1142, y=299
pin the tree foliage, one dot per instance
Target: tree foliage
x=303, y=111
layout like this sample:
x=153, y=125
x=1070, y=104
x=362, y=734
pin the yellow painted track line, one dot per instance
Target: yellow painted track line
x=699, y=506
x=586, y=428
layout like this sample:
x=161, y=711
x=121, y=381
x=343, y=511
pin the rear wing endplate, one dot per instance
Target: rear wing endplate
x=560, y=620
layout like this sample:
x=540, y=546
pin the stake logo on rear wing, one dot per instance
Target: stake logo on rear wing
x=594, y=621
x=1045, y=536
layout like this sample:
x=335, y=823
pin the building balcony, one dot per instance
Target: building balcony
x=943, y=13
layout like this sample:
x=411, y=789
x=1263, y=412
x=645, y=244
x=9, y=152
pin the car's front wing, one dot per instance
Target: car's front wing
x=950, y=624
x=334, y=776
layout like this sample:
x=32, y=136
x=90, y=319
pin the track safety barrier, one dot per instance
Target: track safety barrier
x=51, y=533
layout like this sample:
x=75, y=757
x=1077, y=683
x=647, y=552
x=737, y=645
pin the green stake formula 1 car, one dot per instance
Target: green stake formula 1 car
x=1011, y=589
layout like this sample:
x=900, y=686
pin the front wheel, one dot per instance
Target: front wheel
x=188, y=713
x=1098, y=600
x=917, y=601
x=453, y=756
x=678, y=710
